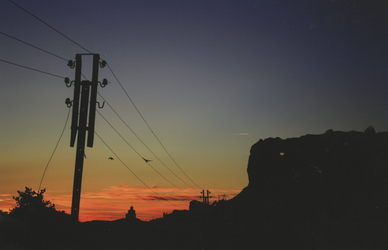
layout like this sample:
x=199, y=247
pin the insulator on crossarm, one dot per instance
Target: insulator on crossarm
x=103, y=64
x=103, y=83
x=68, y=102
x=68, y=83
x=71, y=64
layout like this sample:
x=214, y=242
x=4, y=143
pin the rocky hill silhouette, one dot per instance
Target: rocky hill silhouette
x=318, y=191
x=325, y=191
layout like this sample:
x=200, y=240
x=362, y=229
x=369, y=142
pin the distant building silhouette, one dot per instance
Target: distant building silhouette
x=131, y=214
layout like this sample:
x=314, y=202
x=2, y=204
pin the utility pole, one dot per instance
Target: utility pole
x=81, y=122
x=205, y=199
x=223, y=197
x=203, y=196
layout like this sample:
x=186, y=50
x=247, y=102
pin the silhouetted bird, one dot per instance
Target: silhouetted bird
x=146, y=160
x=110, y=158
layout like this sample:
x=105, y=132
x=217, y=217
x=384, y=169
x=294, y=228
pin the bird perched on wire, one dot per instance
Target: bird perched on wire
x=110, y=158
x=146, y=160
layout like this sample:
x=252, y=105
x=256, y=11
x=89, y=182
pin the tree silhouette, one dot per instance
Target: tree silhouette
x=30, y=204
x=33, y=199
x=34, y=223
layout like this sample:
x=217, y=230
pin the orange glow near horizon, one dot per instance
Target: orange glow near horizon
x=114, y=202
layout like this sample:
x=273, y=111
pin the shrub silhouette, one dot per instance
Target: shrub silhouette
x=31, y=206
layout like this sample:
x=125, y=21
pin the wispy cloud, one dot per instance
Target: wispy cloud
x=7, y=202
x=241, y=134
x=168, y=197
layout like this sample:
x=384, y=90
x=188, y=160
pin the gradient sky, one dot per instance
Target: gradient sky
x=211, y=78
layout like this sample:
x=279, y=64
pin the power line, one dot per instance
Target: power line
x=68, y=38
x=117, y=81
x=29, y=44
x=37, y=70
x=101, y=115
x=143, y=141
x=100, y=139
x=149, y=127
x=60, y=137
x=137, y=177
x=135, y=150
x=69, y=109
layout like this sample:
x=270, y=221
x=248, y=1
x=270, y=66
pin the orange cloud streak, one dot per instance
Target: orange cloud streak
x=114, y=202
x=6, y=202
x=242, y=134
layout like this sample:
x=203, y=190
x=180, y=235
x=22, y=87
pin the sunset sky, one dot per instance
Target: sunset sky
x=210, y=78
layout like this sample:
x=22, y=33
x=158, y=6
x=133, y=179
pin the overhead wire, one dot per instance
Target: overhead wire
x=143, y=141
x=44, y=172
x=107, y=102
x=100, y=95
x=55, y=148
x=37, y=70
x=149, y=127
x=136, y=150
x=68, y=38
x=137, y=177
x=40, y=71
x=29, y=44
x=170, y=182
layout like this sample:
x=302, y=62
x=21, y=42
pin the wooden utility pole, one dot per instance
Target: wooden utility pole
x=208, y=197
x=205, y=199
x=83, y=119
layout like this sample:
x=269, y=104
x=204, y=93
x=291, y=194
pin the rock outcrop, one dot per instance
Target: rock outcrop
x=327, y=190
x=344, y=161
